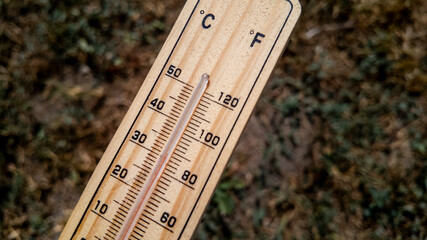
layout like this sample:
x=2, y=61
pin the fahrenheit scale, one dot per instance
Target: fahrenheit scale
x=162, y=165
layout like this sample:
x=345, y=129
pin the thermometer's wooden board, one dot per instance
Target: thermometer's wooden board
x=237, y=43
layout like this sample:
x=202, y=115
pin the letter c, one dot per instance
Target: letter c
x=210, y=15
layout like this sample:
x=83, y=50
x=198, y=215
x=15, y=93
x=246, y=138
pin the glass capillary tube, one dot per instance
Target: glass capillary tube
x=162, y=161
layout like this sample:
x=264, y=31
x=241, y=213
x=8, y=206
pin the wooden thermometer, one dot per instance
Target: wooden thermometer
x=162, y=165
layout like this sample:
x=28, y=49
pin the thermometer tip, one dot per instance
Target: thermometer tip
x=205, y=78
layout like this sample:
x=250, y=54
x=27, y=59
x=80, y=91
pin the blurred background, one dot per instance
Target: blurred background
x=335, y=149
